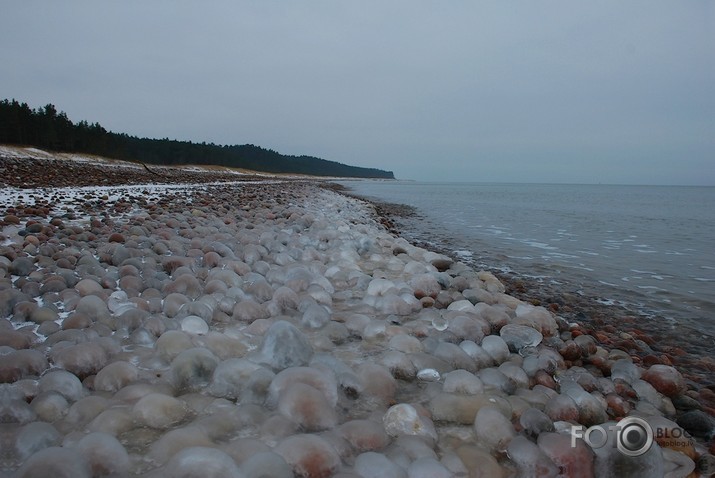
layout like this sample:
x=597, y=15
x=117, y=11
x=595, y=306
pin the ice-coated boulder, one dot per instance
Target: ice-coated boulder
x=202, y=461
x=497, y=349
x=157, y=410
x=59, y=462
x=106, y=456
x=376, y=465
x=193, y=368
x=310, y=456
x=518, y=337
x=403, y=419
x=493, y=429
x=284, y=346
x=530, y=460
x=116, y=375
x=307, y=406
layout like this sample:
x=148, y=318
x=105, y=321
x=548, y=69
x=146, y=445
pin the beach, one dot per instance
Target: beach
x=193, y=322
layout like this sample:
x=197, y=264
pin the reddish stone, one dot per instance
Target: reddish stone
x=570, y=351
x=617, y=406
x=666, y=379
x=649, y=360
x=12, y=219
x=543, y=378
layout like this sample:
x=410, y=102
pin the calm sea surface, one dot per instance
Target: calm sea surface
x=648, y=248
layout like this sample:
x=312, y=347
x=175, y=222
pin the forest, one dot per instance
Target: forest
x=46, y=128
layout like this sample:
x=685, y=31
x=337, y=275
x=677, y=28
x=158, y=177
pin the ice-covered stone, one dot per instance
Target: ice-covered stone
x=518, y=337
x=626, y=370
x=50, y=406
x=202, y=461
x=428, y=375
x=63, y=382
x=462, y=382
x=572, y=460
x=403, y=419
x=193, y=324
x=315, y=316
x=230, y=376
x=284, y=346
x=364, y=435
x=591, y=410
x=493, y=429
x=529, y=459
x=82, y=359
x=266, y=465
x=115, y=376
x=310, y=456
x=106, y=456
x=324, y=382
x=496, y=348
x=193, y=368
x=60, y=462
x=534, y=422
x=377, y=465
x=157, y=410
x=34, y=437
x=307, y=406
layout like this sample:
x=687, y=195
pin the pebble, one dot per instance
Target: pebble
x=275, y=329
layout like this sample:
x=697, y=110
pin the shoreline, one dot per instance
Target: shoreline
x=661, y=341
x=283, y=325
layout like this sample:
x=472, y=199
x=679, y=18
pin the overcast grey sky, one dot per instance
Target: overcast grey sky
x=517, y=91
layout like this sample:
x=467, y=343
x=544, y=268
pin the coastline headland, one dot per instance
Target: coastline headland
x=199, y=322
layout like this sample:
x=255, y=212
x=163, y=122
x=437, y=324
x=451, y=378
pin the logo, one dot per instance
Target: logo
x=634, y=436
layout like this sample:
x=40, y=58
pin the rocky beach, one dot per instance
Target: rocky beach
x=190, y=322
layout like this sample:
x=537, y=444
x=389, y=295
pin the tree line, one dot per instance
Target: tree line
x=46, y=128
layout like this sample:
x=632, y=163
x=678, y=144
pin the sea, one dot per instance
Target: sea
x=647, y=249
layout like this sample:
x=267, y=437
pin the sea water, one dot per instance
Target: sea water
x=650, y=249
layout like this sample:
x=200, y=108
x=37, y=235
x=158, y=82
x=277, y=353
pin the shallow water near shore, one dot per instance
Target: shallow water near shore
x=646, y=248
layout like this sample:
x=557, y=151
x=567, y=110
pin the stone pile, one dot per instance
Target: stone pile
x=276, y=329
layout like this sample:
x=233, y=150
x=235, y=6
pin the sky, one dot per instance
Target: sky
x=460, y=90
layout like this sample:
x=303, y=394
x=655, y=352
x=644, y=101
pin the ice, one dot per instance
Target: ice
x=625, y=370
x=480, y=356
x=35, y=436
x=315, y=316
x=515, y=373
x=611, y=462
x=59, y=462
x=591, y=410
x=462, y=382
x=192, y=368
x=425, y=285
x=377, y=465
x=284, y=346
x=496, y=348
x=309, y=455
x=427, y=468
x=115, y=376
x=428, y=375
x=493, y=429
x=324, y=382
x=105, y=454
x=494, y=379
x=377, y=382
x=63, y=382
x=562, y=408
x=307, y=406
x=201, y=461
x=405, y=343
x=403, y=419
x=529, y=459
x=160, y=411
x=534, y=422
x=94, y=308
x=230, y=376
x=379, y=287
x=249, y=310
x=49, y=406
x=572, y=460
x=454, y=356
x=364, y=435
x=399, y=365
x=171, y=343
x=266, y=465
x=193, y=324
x=518, y=337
